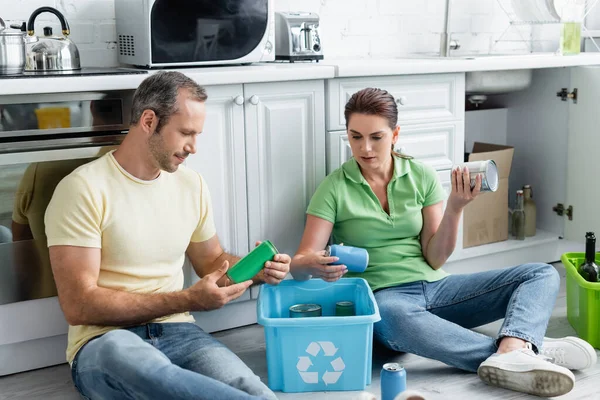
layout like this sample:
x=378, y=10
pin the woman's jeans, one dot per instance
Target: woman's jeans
x=163, y=361
x=432, y=319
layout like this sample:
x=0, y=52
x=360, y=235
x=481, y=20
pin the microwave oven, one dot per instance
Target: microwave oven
x=172, y=33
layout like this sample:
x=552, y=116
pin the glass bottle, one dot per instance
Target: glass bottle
x=570, y=30
x=518, y=218
x=589, y=269
x=530, y=211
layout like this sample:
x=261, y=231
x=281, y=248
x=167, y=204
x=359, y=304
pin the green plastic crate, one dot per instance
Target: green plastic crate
x=583, y=300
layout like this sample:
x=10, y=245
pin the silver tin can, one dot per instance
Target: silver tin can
x=488, y=171
x=305, y=310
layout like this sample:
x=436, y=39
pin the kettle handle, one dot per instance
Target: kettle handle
x=63, y=22
x=2, y=25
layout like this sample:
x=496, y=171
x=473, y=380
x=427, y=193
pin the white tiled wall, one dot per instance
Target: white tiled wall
x=350, y=28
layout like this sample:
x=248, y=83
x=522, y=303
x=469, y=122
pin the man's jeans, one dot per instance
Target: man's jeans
x=433, y=319
x=163, y=361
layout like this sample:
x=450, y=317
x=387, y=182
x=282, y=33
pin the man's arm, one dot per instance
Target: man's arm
x=207, y=256
x=76, y=271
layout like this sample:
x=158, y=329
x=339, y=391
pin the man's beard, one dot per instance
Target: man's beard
x=157, y=149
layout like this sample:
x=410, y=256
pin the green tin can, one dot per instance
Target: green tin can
x=344, y=309
x=305, y=310
x=252, y=263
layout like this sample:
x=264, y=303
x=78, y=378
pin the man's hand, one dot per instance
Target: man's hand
x=206, y=295
x=275, y=271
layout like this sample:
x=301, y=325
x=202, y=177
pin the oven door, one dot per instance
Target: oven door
x=29, y=173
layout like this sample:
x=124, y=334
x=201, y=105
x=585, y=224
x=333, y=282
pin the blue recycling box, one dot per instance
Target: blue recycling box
x=318, y=353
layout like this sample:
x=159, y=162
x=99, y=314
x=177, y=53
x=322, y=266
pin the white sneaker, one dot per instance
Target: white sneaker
x=524, y=371
x=570, y=352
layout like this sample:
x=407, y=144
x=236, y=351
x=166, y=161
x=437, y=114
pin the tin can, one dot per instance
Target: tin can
x=252, y=263
x=305, y=310
x=355, y=258
x=344, y=309
x=393, y=380
x=489, y=174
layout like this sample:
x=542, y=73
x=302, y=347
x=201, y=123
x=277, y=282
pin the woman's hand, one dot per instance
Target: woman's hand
x=317, y=265
x=462, y=194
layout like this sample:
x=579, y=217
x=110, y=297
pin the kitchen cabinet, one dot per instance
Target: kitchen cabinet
x=262, y=156
x=555, y=143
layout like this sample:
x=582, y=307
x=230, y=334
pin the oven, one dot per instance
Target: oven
x=43, y=138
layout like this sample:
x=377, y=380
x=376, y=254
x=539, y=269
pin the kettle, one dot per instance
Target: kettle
x=12, y=50
x=50, y=52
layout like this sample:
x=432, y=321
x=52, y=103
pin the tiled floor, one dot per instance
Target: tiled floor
x=434, y=379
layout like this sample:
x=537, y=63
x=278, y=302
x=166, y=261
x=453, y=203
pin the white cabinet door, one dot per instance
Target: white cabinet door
x=583, y=150
x=285, y=151
x=338, y=150
x=420, y=98
x=220, y=160
x=433, y=144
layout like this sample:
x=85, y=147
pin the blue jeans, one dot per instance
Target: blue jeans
x=163, y=361
x=432, y=319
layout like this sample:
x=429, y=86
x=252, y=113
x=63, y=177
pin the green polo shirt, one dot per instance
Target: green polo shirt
x=395, y=256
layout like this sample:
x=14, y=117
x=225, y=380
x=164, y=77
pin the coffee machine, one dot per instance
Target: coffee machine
x=297, y=37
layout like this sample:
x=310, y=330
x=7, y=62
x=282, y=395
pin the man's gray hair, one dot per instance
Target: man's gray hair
x=159, y=93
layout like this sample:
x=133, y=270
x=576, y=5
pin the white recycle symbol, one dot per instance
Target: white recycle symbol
x=329, y=377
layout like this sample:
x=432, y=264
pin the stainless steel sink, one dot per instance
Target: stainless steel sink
x=436, y=56
x=487, y=82
x=495, y=82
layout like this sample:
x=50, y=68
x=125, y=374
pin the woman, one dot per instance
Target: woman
x=391, y=205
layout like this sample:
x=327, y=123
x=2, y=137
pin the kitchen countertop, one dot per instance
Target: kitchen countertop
x=275, y=72
x=409, y=66
x=267, y=72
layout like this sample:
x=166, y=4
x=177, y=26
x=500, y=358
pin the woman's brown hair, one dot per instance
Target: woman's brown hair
x=373, y=101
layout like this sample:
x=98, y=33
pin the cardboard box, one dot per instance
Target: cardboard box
x=485, y=219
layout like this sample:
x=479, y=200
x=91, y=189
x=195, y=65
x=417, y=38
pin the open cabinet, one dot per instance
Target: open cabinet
x=556, y=144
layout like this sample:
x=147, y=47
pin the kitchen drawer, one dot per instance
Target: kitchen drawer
x=423, y=98
x=433, y=144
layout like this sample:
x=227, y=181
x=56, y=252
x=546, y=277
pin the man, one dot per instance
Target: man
x=118, y=229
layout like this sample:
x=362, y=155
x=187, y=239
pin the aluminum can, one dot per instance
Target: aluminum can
x=489, y=174
x=393, y=380
x=355, y=258
x=344, y=309
x=305, y=310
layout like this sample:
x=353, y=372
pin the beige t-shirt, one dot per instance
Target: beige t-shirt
x=142, y=227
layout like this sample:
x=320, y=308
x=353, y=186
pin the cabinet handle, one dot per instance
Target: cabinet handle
x=402, y=100
x=254, y=100
x=239, y=100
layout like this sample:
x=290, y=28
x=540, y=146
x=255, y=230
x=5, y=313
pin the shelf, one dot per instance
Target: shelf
x=590, y=33
x=541, y=237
